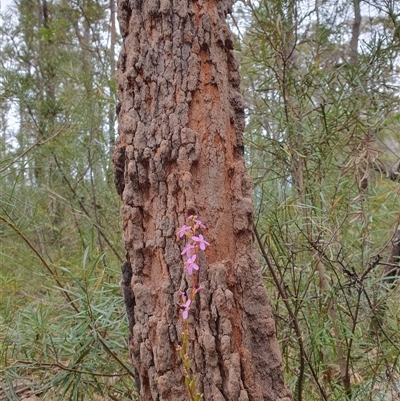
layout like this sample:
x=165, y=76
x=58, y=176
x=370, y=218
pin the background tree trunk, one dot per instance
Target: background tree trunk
x=180, y=152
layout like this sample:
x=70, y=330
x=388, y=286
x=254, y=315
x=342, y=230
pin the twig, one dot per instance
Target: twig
x=297, y=330
x=63, y=367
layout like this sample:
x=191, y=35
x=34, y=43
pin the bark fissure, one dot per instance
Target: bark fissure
x=179, y=152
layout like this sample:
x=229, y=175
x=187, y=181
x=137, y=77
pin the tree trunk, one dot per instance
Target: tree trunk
x=180, y=152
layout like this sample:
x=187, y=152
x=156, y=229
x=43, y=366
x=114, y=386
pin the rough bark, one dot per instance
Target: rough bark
x=180, y=152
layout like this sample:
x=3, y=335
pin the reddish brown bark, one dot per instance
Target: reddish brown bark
x=180, y=152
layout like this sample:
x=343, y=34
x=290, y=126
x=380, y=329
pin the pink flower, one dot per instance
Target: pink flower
x=200, y=224
x=190, y=264
x=187, y=250
x=202, y=242
x=181, y=232
x=186, y=308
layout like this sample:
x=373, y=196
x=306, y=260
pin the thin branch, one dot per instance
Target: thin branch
x=45, y=264
x=83, y=208
x=66, y=368
x=295, y=322
x=37, y=143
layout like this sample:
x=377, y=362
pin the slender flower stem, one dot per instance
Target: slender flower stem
x=191, y=252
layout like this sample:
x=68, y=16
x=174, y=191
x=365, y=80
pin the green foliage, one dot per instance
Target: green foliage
x=69, y=350
x=322, y=140
x=63, y=330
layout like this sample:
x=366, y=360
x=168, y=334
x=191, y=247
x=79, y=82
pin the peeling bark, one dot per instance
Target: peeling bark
x=180, y=152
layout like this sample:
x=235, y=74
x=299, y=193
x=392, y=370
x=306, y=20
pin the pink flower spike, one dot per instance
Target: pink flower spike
x=191, y=217
x=186, y=308
x=181, y=232
x=187, y=250
x=200, y=224
x=202, y=242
